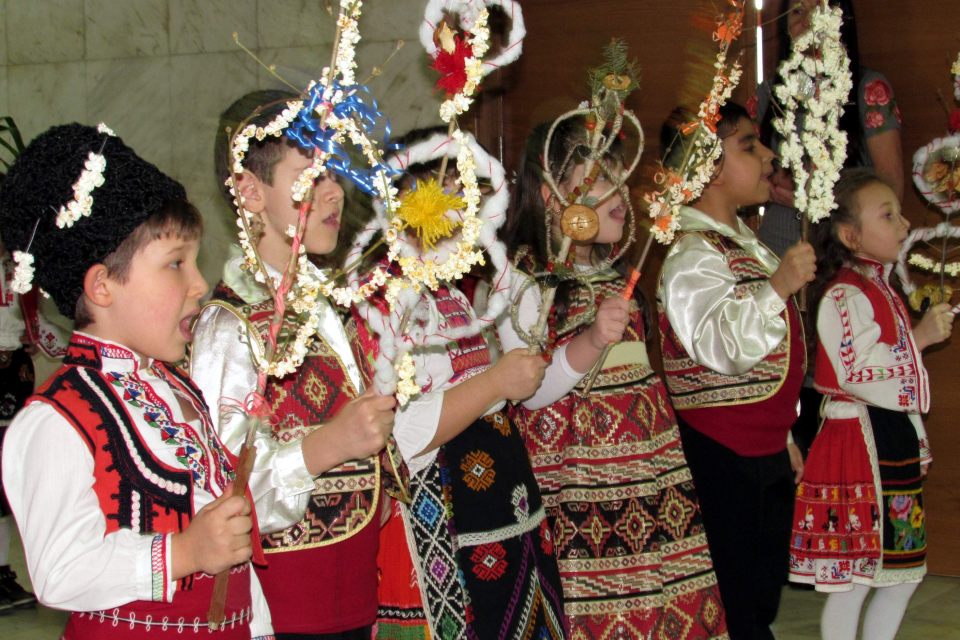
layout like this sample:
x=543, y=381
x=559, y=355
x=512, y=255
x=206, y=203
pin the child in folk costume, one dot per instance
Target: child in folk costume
x=317, y=475
x=859, y=518
x=119, y=483
x=476, y=528
x=733, y=352
x=627, y=531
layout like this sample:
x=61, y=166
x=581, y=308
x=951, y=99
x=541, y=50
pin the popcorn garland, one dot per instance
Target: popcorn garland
x=951, y=268
x=822, y=82
x=301, y=291
x=23, y=274
x=473, y=16
x=408, y=299
x=686, y=184
x=406, y=387
x=90, y=178
x=955, y=70
x=479, y=41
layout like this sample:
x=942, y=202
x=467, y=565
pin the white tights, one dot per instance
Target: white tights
x=841, y=613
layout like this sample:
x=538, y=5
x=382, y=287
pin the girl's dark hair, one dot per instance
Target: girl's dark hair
x=526, y=217
x=832, y=254
x=850, y=118
x=672, y=138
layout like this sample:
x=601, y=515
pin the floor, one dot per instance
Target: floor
x=934, y=612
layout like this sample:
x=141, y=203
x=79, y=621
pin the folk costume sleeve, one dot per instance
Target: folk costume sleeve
x=74, y=564
x=559, y=378
x=223, y=369
x=720, y=326
x=870, y=369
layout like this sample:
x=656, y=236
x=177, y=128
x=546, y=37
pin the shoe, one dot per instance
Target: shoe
x=17, y=596
x=5, y=605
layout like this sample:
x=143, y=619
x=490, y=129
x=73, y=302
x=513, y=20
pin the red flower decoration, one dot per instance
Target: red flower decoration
x=752, y=106
x=878, y=92
x=452, y=67
x=874, y=120
x=896, y=112
x=954, y=122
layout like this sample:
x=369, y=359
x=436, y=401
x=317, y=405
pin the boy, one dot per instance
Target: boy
x=734, y=355
x=317, y=477
x=119, y=483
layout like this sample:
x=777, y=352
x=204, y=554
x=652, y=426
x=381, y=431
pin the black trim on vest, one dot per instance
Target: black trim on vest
x=152, y=497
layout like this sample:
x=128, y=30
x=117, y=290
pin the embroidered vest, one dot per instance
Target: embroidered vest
x=889, y=313
x=345, y=498
x=693, y=386
x=139, y=492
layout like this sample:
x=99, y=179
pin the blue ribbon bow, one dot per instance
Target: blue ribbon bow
x=310, y=133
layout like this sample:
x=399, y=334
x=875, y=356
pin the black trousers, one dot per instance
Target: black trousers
x=363, y=633
x=747, y=506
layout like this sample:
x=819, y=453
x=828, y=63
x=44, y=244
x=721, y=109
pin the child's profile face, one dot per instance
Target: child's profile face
x=798, y=19
x=281, y=210
x=882, y=229
x=745, y=167
x=152, y=311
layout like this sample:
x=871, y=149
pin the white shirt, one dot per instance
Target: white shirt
x=559, y=377
x=719, y=328
x=221, y=365
x=48, y=477
x=416, y=423
x=890, y=377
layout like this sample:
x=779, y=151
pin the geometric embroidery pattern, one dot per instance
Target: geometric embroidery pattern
x=695, y=386
x=478, y=471
x=345, y=498
x=626, y=527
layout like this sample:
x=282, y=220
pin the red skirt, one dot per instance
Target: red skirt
x=836, y=530
x=400, y=614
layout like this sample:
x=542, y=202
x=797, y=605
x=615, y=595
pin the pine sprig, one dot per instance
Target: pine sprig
x=617, y=64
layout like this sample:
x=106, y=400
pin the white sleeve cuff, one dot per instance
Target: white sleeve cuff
x=416, y=424
x=293, y=468
x=566, y=367
x=769, y=302
x=155, y=568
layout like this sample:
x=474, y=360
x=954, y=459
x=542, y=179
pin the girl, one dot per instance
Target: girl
x=627, y=531
x=475, y=525
x=859, y=519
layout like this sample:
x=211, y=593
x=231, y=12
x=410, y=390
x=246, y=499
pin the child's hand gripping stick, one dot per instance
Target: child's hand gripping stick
x=626, y=295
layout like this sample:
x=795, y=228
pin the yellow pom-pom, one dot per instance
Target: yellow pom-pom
x=423, y=210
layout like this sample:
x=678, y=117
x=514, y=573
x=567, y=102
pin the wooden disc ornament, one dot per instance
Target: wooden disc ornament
x=580, y=223
x=617, y=83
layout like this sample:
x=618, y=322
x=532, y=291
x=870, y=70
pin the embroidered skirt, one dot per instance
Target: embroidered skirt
x=859, y=514
x=484, y=552
x=628, y=533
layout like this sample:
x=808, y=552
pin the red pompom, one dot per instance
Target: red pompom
x=452, y=67
x=954, y=122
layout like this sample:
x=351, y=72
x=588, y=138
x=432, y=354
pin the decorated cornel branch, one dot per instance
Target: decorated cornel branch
x=605, y=115
x=936, y=174
x=701, y=152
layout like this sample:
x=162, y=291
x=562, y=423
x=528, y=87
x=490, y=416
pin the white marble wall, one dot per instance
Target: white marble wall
x=159, y=72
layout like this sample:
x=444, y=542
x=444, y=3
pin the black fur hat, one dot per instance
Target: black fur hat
x=41, y=181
